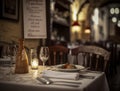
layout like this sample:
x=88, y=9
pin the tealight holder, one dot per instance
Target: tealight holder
x=34, y=63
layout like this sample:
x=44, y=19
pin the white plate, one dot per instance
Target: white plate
x=78, y=68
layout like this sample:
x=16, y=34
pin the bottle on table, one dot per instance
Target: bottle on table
x=22, y=65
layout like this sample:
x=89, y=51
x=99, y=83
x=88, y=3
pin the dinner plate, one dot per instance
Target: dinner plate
x=78, y=68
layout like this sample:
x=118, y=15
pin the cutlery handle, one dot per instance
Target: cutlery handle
x=43, y=80
x=48, y=81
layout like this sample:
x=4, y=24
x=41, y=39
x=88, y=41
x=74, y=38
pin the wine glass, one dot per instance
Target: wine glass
x=7, y=62
x=11, y=53
x=44, y=54
x=14, y=53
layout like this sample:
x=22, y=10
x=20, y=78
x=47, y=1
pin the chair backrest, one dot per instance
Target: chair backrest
x=58, y=54
x=94, y=57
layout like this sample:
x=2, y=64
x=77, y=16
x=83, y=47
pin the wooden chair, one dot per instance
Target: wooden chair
x=94, y=57
x=58, y=54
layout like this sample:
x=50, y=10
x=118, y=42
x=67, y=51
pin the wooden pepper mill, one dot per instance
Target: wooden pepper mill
x=22, y=65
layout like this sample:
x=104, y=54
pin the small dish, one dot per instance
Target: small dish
x=76, y=69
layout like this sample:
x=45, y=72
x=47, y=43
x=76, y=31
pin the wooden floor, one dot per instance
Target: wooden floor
x=114, y=81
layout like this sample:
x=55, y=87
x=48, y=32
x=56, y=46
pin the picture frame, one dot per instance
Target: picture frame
x=34, y=19
x=10, y=9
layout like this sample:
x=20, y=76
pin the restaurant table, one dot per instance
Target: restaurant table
x=28, y=82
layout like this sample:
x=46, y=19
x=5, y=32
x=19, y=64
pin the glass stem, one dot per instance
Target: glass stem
x=43, y=65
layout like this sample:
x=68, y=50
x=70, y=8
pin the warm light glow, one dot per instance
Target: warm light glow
x=114, y=19
x=117, y=11
x=74, y=17
x=112, y=11
x=74, y=13
x=118, y=23
x=76, y=32
x=87, y=31
x=82, y=16
x=76, y=28
x=74, y=9
x=34, y=63
x=35, y=74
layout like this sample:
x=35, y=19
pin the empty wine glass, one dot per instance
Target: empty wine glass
x=14, y=53
x=8, y=52
x=44, y=54
x=11, y=53
x=7, y=62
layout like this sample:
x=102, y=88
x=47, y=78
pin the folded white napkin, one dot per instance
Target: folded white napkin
x=60, y=75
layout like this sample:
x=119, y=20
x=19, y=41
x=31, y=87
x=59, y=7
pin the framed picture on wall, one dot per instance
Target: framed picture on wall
x=10, y=9
x=34, y=19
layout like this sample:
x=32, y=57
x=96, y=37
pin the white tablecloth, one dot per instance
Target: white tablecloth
x=28, y=82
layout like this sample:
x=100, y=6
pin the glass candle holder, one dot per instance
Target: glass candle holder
x=34, y=63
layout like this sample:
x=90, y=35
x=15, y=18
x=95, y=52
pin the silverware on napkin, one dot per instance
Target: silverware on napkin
x=47, y=81
x=44, y=80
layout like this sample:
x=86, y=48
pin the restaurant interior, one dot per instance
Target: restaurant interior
x=70, y=23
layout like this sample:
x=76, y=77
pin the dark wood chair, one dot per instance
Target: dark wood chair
x=58, y=54
x=94, y=57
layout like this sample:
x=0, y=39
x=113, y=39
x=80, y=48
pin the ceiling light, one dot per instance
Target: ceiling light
x=114, y=19
x=75, y=23
x=118, y=24
x=76, y=26
x=117, y=11
x=112, y=11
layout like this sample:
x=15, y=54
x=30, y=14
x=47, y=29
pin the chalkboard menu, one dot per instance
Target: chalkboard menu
x=34, y=19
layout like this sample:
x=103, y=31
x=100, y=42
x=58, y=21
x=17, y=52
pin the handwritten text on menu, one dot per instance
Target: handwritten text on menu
x=34, y=18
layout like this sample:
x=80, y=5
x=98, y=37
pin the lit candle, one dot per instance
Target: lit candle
x=34, y=63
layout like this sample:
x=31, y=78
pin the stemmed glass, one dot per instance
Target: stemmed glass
x=44, y=54
x=14, y=53
x=11, y=53
x=8, y=54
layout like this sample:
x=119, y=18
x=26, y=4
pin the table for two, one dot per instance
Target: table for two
x=28, y=82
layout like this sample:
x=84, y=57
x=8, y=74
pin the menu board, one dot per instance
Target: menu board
x=34, y=18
